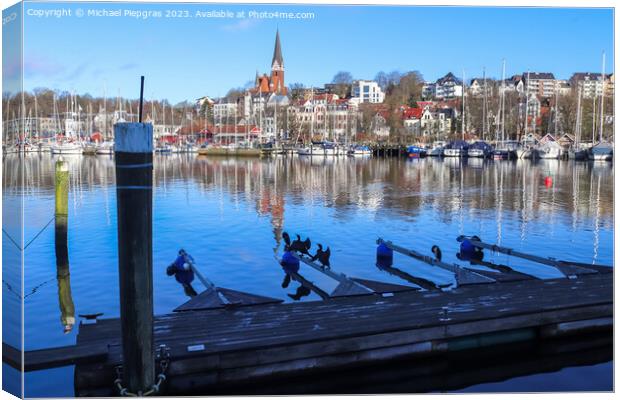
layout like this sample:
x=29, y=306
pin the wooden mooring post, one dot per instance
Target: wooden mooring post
x=61, y=216
x=134, y=192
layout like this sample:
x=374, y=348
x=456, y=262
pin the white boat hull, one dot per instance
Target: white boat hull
x=600, y=157
x=452, y=152
x=479, y=153
x=67, y=149
x=550, y=154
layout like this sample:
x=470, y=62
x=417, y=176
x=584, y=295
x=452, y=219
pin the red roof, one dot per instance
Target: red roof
x=410, y=113
x=422, y=104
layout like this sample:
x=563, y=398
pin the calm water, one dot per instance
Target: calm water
x=229, y=214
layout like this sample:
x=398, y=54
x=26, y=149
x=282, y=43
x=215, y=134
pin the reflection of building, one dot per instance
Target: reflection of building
x=273, y=203
x=275, y=82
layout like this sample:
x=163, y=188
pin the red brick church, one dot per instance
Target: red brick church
x=275, y=82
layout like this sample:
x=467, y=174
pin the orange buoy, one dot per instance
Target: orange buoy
x=548, y=181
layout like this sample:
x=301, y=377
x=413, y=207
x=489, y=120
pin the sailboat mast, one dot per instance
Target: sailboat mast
x=463, y=105
x=593, y=115
x=527, y=103
x=600, y=128
x=484, y=104
x=105, y=116
x=578, y=120
x=503, y=114
x=36, y=115
x=312, y=115
x=555, y=113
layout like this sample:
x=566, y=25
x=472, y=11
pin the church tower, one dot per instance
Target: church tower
x=277, y=69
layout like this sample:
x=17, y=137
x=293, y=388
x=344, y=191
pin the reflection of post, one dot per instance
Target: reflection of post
x=67, y=310
x=134, y=184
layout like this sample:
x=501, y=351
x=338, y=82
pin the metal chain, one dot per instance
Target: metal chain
x=163, y=356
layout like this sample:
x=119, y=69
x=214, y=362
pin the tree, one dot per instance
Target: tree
x=343, y=77
x=296, y=90
x=342, y=81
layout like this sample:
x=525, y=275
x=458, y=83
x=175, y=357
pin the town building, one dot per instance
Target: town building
x=446, y=87
x=591, y=84
x=367, y=92
x=540, y=83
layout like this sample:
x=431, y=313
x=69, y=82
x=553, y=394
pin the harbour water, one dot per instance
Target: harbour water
x=229, y=214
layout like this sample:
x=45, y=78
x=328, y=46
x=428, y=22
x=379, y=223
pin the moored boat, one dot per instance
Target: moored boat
x=456, y=148
x=416, y=151
x=549, y=150
x=602, y=151
x=105, y=148
x=89, y=149
x=66, y=148
x=479, y=149
x=360, y=151
x=437, y=149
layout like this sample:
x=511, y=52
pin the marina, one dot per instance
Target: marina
x=278, y=210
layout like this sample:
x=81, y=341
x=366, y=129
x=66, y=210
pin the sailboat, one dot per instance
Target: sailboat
x=602, y=151
x=551, y=149
x=576, y=152
x=526, y=150
x=459, y=148
x=503, y=150
x=69, y=146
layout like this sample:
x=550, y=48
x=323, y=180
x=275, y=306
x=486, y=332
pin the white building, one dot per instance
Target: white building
x=591, y=83
x=367, y=92
x=446, y=87
x=224, y=110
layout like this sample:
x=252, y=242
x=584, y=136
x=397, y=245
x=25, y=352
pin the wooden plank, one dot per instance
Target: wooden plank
x=410, y=311
x=268, y=361
x=463, y=277
x=35, y=360
x=11, y=356
x=542, y=295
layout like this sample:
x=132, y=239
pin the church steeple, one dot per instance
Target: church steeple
x=277, y=62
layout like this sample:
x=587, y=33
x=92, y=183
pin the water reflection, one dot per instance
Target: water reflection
x=448, y=185
x=230, y=214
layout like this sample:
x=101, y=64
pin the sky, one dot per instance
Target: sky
x=184, y=58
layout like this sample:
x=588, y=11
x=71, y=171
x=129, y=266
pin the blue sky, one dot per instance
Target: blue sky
x=186, y=58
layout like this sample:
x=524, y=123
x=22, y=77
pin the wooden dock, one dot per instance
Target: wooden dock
x=216, y=348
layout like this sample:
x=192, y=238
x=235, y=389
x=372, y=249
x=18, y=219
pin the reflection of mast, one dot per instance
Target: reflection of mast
x=575, y=195
x=65, y=300
x=500, y=203
x=597, y=217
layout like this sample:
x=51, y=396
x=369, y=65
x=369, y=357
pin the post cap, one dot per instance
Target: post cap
x=133, y=137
